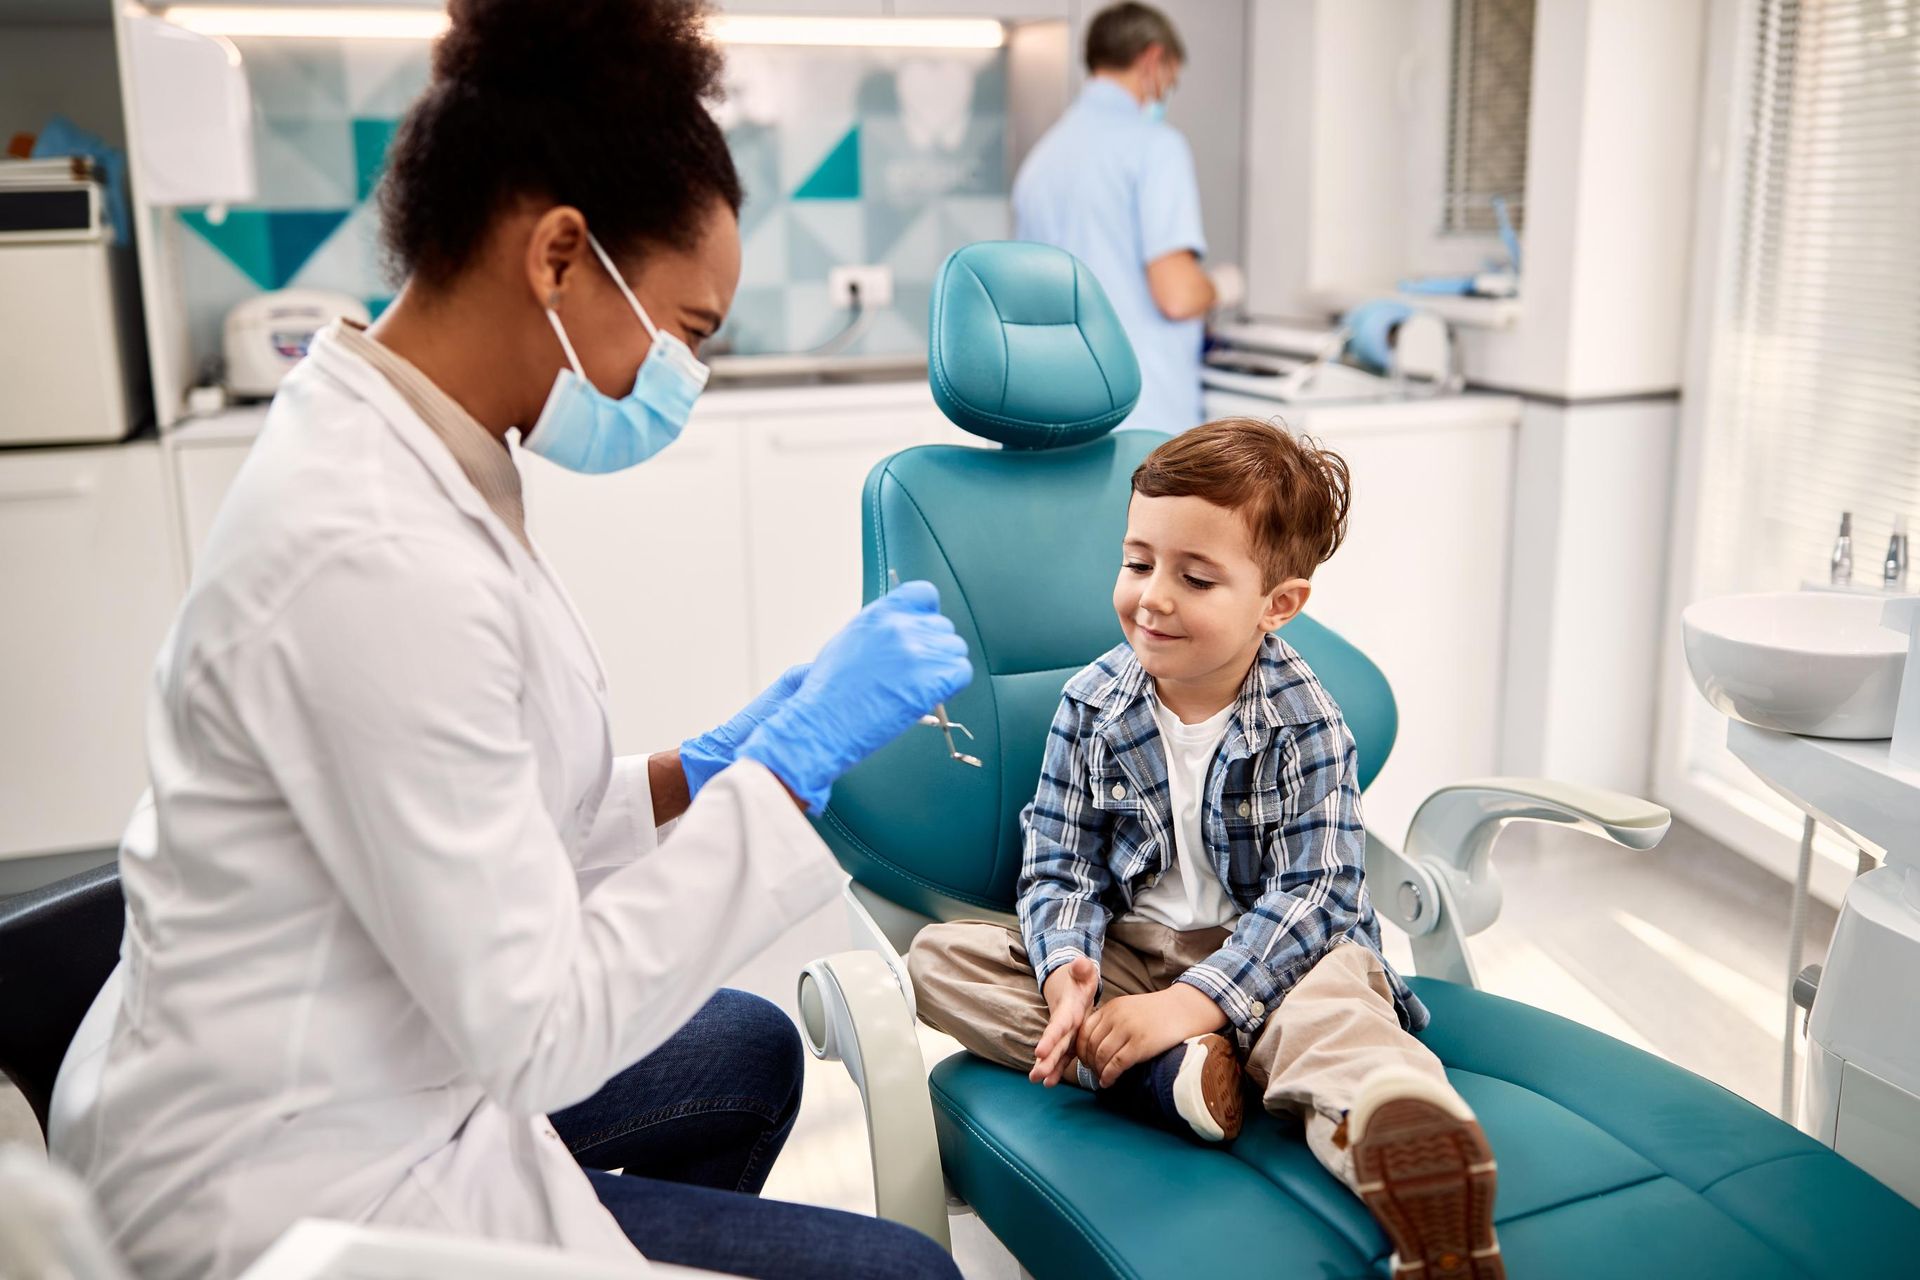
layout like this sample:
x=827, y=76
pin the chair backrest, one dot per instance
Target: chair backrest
x=1023, y=543
x=58, y=945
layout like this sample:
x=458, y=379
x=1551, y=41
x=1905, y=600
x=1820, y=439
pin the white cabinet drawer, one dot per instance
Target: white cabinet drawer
x=89, y=581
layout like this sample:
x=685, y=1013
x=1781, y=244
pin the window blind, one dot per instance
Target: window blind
x=1814, y=387
x=1492, y=89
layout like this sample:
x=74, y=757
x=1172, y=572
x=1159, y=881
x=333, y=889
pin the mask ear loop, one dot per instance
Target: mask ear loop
x=625, y=291
x=559, y=331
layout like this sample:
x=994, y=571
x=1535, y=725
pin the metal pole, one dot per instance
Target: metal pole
x=1796, y=934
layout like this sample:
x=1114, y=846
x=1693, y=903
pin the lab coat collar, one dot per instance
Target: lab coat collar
x=372, y=386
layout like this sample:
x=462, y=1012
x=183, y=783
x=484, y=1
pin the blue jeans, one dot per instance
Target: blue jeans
x=696, y=1126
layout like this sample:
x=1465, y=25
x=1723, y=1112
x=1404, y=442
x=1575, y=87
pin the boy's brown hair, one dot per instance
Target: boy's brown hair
x=1293, y=494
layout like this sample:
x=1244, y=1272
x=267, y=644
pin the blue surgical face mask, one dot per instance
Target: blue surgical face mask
x=583, y=429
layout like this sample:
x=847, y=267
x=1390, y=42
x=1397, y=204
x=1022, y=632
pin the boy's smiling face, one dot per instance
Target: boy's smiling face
x=1193, y=599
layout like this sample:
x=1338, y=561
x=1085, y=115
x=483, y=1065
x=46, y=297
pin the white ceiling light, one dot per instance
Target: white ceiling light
x=895, y=33
x=343, y=23
x=395, y=22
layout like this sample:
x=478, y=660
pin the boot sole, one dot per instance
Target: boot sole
x=1428, y=1177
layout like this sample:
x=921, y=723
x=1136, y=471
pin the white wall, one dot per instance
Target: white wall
x=66, y=67
x=1610, y=162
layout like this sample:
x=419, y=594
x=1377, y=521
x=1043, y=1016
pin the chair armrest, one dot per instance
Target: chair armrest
x=853, y=1010
x=1442, y=888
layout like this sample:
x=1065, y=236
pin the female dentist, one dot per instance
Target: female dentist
x=399, y=924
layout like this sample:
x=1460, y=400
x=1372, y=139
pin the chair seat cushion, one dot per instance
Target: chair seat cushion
x=1612, y=1162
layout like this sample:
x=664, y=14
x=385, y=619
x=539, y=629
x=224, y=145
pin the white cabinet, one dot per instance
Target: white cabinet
x=655, y=560
x=1420, y=584
x=89, y=581
x=805, y=472
x=203, y=470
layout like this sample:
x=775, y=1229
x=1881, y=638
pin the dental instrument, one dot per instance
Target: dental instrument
x=1840, y=563
x=1893, y=573
x=939, y=717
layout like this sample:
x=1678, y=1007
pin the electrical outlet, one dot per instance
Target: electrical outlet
x=874, y=283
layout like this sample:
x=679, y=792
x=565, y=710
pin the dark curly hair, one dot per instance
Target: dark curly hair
x=599, y=104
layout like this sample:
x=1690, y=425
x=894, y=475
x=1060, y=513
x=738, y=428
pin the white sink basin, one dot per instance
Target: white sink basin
x=1809, y=662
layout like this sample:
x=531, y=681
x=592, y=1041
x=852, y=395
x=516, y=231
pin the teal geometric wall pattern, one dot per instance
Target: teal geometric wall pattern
x=838, y=176
x=270, y=245
x=371, y=138
x=846, y=156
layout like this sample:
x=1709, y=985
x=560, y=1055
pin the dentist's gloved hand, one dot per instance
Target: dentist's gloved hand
x=877, y=677
x=714, y=750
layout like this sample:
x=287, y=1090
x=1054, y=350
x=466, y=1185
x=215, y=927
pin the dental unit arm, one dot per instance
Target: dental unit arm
x=1442, y=888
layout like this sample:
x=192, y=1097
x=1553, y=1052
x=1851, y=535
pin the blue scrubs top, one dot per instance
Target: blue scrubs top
x=1117, y=190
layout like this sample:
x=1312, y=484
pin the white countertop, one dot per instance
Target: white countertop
x=243, y=422
x=1853, y=785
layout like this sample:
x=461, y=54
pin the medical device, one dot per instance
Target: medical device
x=1840, y=563
x=939, y=717
x=72, y=354
x=268, y=334
x=1893, y=573
x=1372, y=356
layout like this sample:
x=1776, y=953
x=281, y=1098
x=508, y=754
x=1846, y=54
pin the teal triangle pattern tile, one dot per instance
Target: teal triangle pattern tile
x=371, y=138
x=383, y=77
x=838, y=176
x=839, y=226
x=807, y=258
x=915, y=252
x=349, y=261
x=304, y=164
x=758, y=322
x=756, y=155
x=269, y=245
x=296, y=79
x=763, y=250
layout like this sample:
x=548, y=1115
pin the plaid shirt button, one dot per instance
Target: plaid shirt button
x=1119, y=792
x=1246, y=809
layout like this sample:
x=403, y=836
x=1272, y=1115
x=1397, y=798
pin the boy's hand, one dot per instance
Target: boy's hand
x=1070, y=992
x=1132, y=1029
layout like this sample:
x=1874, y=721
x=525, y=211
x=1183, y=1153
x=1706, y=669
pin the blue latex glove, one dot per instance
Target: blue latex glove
x=714, y=750
x=876, y=678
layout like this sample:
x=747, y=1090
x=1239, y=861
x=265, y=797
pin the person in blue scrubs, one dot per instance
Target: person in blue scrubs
x=1113, y=184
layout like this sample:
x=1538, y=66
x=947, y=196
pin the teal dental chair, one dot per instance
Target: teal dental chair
x=1612, y=1162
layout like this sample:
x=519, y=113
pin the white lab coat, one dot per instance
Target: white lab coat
x=394, y=899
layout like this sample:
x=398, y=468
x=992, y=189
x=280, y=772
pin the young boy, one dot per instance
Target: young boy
x=1192, y=899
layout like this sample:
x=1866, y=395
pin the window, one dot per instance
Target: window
x=1487, y=113
x=1812, y=394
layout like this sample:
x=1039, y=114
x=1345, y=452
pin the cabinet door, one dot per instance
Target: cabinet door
x=203, y=472
x=655, y=559
x=805, y=472
x=1420, y=585
x=90, y=583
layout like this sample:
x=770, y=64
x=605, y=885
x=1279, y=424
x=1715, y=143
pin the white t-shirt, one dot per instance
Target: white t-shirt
x=1190, y=895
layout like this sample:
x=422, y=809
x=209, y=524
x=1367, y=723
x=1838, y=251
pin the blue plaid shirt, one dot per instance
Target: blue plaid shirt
x=1281, y=820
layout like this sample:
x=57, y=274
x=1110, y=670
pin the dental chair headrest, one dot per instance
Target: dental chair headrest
x=1024, y=347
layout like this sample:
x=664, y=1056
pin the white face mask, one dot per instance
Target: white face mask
x=583, y=429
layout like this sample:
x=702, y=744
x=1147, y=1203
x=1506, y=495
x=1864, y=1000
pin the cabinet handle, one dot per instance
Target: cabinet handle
x=78, y=488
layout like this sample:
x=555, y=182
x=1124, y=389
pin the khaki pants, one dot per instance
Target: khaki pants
x=972, y=981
